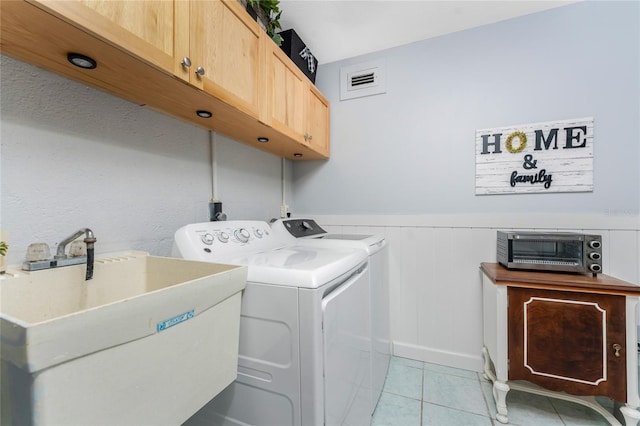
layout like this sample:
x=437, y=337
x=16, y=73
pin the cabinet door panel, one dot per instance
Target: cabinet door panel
x=151, y=21
x=318, y=122
x=145, y=28
x=286, y=95
x=564, y=341
x=226, y=43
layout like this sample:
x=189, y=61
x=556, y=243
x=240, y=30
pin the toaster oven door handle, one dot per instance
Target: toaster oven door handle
x=555, y=237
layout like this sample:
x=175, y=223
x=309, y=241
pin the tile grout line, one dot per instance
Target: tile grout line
x=555, y=409
x=476, y=378
x=422, y=396
x=484, y=397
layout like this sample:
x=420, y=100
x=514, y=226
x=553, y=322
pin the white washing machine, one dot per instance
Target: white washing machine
x=305, y=338
x=308, y=232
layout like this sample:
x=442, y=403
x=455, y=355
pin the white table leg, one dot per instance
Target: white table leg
x=500, y=391
x=630, y=414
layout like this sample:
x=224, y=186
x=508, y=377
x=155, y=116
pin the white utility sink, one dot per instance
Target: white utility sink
x=148, y=341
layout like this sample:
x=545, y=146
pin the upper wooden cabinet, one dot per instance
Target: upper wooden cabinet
x=225, y=49
x=294, y=106
x=178, y=57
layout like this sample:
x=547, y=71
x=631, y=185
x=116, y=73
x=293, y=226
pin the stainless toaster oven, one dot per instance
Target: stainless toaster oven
x=550, y=251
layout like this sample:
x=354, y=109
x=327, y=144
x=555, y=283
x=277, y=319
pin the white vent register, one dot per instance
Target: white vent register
x=364, y=79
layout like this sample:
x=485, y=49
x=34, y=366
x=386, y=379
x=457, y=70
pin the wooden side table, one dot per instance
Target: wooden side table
x=566, y=336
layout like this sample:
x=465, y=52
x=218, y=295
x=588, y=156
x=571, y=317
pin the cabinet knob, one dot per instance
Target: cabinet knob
x=186, y=62
x=200, y=71
x=617, y=348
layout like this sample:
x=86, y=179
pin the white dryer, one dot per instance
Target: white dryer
x=305, y=338
x=307, y=232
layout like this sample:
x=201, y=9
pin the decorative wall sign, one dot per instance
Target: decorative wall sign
x=555, y=156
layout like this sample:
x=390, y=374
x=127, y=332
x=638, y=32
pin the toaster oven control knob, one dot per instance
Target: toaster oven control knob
x=595, y=244
x=595, y=267
x=242, y=235
x=595, y=256
x=207, y=239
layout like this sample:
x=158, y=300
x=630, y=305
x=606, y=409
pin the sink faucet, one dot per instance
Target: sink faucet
x=60, y=253
x=89, y=239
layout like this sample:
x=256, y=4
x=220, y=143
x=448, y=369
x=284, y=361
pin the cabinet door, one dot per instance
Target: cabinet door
x=285, y=94
x=566, y=341
x=225, y=42
x=318, y=121
x=147, y=29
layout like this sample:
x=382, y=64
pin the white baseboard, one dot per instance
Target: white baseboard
x=437, y=356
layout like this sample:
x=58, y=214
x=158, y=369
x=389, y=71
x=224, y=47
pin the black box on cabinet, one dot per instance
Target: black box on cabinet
x=295, y=48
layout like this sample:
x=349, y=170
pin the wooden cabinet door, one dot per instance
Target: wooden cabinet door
x=318, y=121
x=293, y=105
x=225, y=42
x=285, y=108
x=564, y=341
x=147, y=29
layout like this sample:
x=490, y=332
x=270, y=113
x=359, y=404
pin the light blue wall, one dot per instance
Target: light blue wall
x=411, y=150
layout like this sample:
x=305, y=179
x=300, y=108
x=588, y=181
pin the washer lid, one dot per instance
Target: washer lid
x=370, y=243
x=355, y=237
x=300, y=266
x=308, y=233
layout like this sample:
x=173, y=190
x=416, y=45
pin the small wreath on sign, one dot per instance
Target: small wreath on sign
x=523, y=142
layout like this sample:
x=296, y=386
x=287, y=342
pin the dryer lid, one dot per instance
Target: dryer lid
x=300, y=266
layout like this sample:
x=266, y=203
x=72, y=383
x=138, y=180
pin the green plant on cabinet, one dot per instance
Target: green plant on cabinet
x=272, y=10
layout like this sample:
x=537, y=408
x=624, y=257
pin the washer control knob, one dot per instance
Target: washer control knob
x=207, y=239
x=223, y=237
x=305, y=225
x=258, y=233
x=242, y=235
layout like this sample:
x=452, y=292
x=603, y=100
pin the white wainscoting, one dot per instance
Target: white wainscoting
x=436, y=290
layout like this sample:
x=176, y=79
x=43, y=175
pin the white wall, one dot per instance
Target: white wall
x=74, y=157
x=403, y=163
x=436, y=298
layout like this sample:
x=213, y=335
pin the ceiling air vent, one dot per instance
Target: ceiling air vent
x=365, y=79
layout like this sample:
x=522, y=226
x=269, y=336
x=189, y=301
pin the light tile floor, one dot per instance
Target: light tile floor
x=422, y=394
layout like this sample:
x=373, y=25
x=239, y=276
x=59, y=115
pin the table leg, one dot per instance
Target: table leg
x=500, y=391
x=630, y=414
